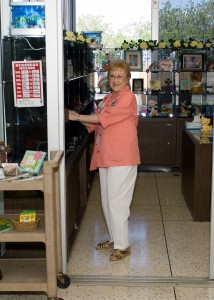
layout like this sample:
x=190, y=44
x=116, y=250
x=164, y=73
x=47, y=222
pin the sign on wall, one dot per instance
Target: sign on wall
x=28, y=83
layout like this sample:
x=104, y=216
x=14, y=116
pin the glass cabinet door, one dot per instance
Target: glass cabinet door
x=25, y=127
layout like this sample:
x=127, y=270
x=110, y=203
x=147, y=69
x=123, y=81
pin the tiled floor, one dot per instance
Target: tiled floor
x=170, y=252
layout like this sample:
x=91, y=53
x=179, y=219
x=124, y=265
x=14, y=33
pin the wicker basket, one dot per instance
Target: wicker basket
x=25, y=226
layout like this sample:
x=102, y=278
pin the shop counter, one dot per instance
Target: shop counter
x=196, y=173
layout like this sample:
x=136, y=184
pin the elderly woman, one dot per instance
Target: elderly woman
x=116, y=155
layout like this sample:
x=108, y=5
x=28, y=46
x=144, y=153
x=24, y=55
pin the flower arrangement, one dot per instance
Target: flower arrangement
x=10, y=169
x=171, y=44
x=77, y=37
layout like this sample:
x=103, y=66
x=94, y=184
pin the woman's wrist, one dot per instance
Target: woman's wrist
x=78, y=117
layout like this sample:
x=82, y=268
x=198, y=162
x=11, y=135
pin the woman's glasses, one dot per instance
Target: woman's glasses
x=118, y=77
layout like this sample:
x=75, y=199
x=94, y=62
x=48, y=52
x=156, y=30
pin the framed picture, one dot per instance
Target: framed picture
x=137, y=85
x=155, y=84
x=96, y=38
x=134, y=58
x=192, y=62
x=185, y=85
x=166, y=64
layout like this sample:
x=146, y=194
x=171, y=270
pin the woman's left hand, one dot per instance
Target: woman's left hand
x=73, y=116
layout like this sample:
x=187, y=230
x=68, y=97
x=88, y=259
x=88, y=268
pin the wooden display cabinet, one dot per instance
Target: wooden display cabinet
x=180, y=125
x=78, y=184
x=196, y=175
x=157, y=140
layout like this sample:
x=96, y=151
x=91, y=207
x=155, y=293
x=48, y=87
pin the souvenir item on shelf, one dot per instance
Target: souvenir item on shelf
x=5, y=224
x=166, y=64
x=195, y=124
x=104, y=86
x=210, y=66
x=3, y=151
x=32, y=161
x=168, y=87
x=197, y=86
x=154, y=66
x=166, y=108
x=205, y=124
x=152, y=108
x=155, y=84
x=10, y=169
x=185, y=85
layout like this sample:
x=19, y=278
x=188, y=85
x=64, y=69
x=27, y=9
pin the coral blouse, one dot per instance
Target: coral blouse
x=116, y=141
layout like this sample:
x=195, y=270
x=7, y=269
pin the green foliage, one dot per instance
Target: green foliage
x=192, y=20
x=113, y=39
x=176, y=23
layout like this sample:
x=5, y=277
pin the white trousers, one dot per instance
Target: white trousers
x=117, y=186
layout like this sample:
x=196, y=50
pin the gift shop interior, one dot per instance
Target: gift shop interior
x=55, y=56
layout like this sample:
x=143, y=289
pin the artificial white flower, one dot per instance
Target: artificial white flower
x=177, y=44
x=162, y=45
x=88, y=41
x=193, y=44
x=125, y=46
x=80, y=38
x=143, y=45
x=70, y=36
x=200, y=45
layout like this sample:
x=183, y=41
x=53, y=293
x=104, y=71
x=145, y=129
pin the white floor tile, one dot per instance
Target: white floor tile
x=194, y=293
x=188, y=246
x=117, y=293
x=165, y=243
x=175, y=213
x=148, y=258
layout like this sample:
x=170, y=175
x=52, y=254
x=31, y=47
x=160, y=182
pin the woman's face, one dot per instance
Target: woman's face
x=117, y=80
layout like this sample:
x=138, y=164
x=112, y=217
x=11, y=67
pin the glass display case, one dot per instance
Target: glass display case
x=180, y=82
x=25, y=127
x=165, y=81
x=78, y=90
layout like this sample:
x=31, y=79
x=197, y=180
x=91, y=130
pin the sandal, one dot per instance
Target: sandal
x=120, y=254
x=105, y=245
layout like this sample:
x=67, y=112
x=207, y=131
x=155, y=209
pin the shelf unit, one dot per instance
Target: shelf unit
x=37, y=274
x=167, y=82
x=78, y=96
x=179, y=90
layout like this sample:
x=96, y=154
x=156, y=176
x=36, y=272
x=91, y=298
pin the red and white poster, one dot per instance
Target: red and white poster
x=28, y=83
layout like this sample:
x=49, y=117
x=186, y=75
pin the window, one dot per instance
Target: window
x=119, y=21
x=184, y=19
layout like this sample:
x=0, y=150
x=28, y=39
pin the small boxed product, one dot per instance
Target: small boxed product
x=26, y=221
x=10, y=169
x=27, y=216
x=193, y=125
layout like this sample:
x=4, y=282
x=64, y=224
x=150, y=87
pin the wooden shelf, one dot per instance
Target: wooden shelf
x=23, y=185
x=36, y=274
x=15, y=236
x=23, y=275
